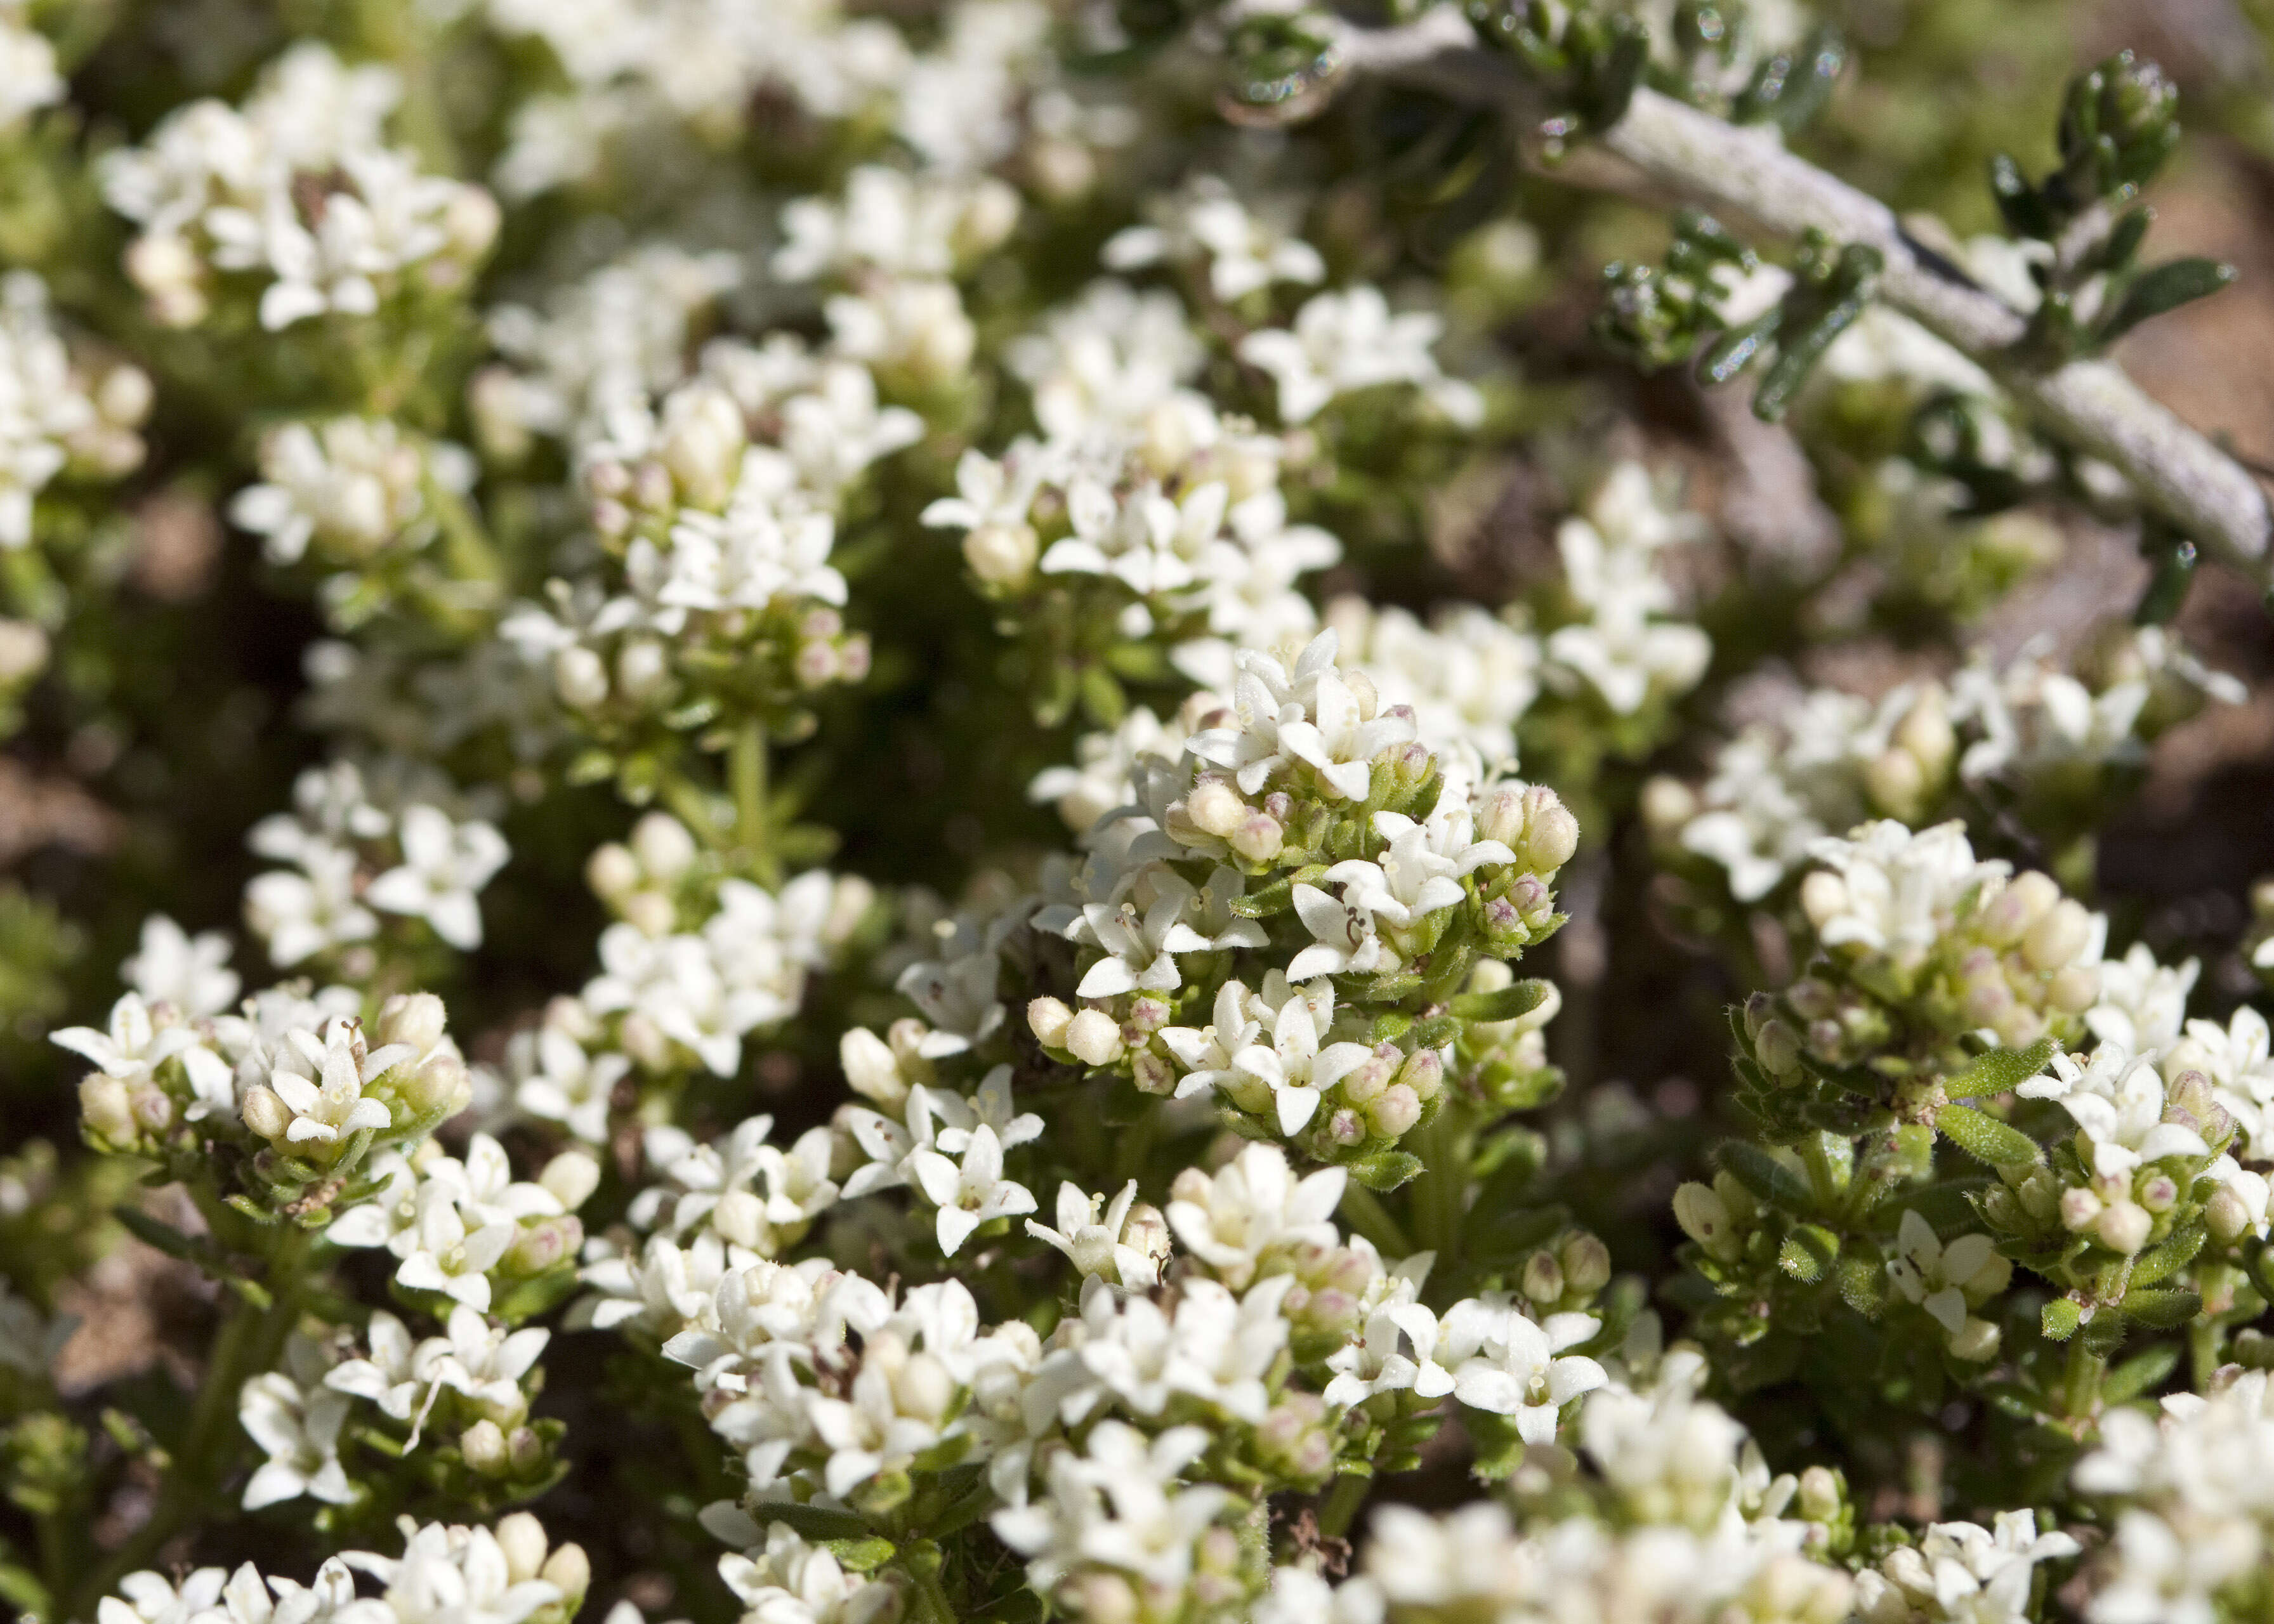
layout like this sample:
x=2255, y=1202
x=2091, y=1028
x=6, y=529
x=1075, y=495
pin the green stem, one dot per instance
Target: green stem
x=2081, y=1383
x=1350, y=1492
x=930, y=1592
x=246, y=1344
x=746, y=774
x=1440, y=1195
x=1370, y=1218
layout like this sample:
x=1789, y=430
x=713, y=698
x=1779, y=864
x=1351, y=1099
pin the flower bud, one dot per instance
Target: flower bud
x=2123, y=1227
x=438, y=1083
x=2080, y=1208
x=1424, y=1073
x=651, y=912
x=570, y=1178
x=1501, y=817
x=1586, y=1265
x=1705, y=1218
x=1823, y=896
x=1778, y=1050
x=542, y=1247
x=1346, y=1127
x=1818, y=1498
x=665, y=848
x=643, y=669
x=569, y=1571
x=1395, y=1112
x=1551, y=834
x=105, y=1106
x=1215, y=808
x=264, y=1113
x=2074, y=990
x=2228, y=1216
x=873, y=1070
x=1543, y=1277
x=524, y=1451
x=1976, y=1341
x=1152, y=1072
x=612, y=871
x=1258, y=837
x=1896, y=782
x=521, y=1540
x=153, y=1107
x=1667, y=805
x=2059, y=936
x=1094, y=1037
x=484, y=1447
x=580, y=677
x=414, y=1020
x=2013, y=910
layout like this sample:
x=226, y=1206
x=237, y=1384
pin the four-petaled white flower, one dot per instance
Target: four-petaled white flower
x=1294, y=1067
x=298, y=1424
x=971, y=1194
x=444, y=864
x=1098, y=1244
x=1508, y=1362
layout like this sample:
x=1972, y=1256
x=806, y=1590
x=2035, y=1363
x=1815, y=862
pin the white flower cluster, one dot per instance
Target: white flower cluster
x=350, y=855
x=297, y=195
x=57, y=414
x=720, y=500
x=473, y=1575
x=1624, y=645
x=1693, y=1528
x=1245, y=245
x=1826, y=759
x=346, y=489
x=1348, y=341
x=465, y=1228
x=2193, y=1514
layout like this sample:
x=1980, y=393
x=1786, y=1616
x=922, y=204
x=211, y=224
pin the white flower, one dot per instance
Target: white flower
x=1252, y=1206
x=300, y=915
x=190, y=973
x=793, y=1582
x=351, y=483
x=298, y=1424
x=444, y=864
x=29, y=79
x=1097, y=1245
x=1294, y=1068
x=320, y=1081
x=972, y=1193
x=1421, y=869
x=1205, y=221
x=1899, y=890
x=390, y=1377
x=133, y=1045
x=1940, y=1278
x=1507, y=1363
x=1345, y=342
x=1343, y=938
x=440, y=1252
x=1966, y=1573
x=564, y=1083
x=2117, y=1103
x=2143, y=1005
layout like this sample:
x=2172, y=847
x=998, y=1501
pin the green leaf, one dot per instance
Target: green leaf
x=2024, y=209
x=167, y=1239
x=2166, y=288
x=1862, y=1285
x=861, y=1555
x=1510, y=1003
x=819, y=1523
x=2176, y=1252
x=1499, y=1446
x=2060, y=1319
x=1765, y=1176
x=2165, y=1310
x=2000, y=1071
x=2139, y=1372
x=1985, y=1138
x=1385, y=1169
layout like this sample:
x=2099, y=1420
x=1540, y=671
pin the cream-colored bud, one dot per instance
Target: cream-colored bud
x=1543, y=1277
x=414, y=1020
x=570, y=1178
x=580, y=677
x=739, y=1218
x=1976, y=1340
x=569, y=1571
x=1925, y=733
x=265, y=1114
x=1991, y=1278
x=1823, y=896
x=521, y=1540
x=651, y=912
x=2123, y=1227
x=1705, y=1218
x=665, y=848
x=105, y=1106
x=1094, y=1037
x=1586, y=1264
x=2074, y=990
x=1362, y=689
x=1501, y=817
x=2059, y=936
x=1551, y=834
x=1394, y=1111
x=1896, y=782
x=1667, y=805
x=1002, y=554
x=643, y=669
x=1215, y=808
x=1818, y=1497
x=2227, y=1215
x=612, y=871
x=923, y=1388
x=871, y=1069
x=987, y=218
x=484, y=1447
x=703, y=441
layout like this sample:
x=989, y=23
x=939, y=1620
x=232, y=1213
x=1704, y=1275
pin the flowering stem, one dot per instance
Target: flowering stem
x=1370, y=1218
x=247, y=1343
x=1440, y=1193
x=746, y=773
x=2082, y=1383
x=1348, y=1494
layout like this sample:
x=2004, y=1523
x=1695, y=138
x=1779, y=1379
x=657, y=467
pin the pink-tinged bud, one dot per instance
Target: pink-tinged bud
x=1277, y=806
x=1346, y=1127
x=1148, y=1012
x=1396, y=1112
x=1258, y=838
x=153, y=1108
x=1501, y=817
x=2080, y=1209
x=1424, y=1073
x=524, y=1451
x=1153, y=1074
x=2123, y=1227
x=2159, y=1193
x=1551, y=834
